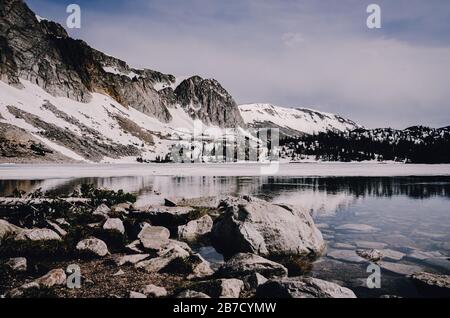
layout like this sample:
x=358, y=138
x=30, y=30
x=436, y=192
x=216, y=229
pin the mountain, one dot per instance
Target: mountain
x=294, y=121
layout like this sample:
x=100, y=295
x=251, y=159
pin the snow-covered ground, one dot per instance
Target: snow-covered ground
x=67, y=171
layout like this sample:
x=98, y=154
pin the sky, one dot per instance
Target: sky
x=292, y=53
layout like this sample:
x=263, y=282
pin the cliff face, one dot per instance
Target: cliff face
x=41, y=52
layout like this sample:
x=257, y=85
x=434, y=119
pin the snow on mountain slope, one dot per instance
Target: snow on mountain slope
x=293, y=121
x=99, y=131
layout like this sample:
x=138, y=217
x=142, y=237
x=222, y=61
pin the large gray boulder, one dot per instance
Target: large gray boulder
x=244, y=264
x=154, y=238
x=302, y=288
x=250, y=225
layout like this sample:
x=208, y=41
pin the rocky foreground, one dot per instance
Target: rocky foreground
x=97, y=243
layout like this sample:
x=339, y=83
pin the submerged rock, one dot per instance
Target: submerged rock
x=432, y=285
x=346, y=256
x=400, y=269
x=370, y=255
x=93, y=247
x=195, y=229
x=357, y=228
x=392, y=255
x=249, y=225
x=302, y=288
x=246, y=264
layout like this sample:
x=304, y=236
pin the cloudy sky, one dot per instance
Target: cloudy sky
x=295, y=53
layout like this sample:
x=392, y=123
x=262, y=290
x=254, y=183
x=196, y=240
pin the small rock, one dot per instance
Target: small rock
x=192, y=294
x=119, y=273
x=432, y=285
x=134, y=247
x=169, y=203
x=246, y=264
x=153, y=291
x=131, y=259
x=103, y=211
x=122, y=208
x=62, y=222
x=93, y=247
x=56, y=277
x=8, y=229
x=254, y=280
x=115, y=225
x=18, y=264
x=37, y=235
x=195, y=229
x=306, y=287
x=137, y=295
x=154, y=238
x=55, y=227
x=370, y=255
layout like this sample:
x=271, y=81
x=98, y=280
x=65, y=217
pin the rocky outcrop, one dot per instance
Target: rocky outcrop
x=302, y=288
x=195, y=229
x=249, y=225
x=242, y=265
x=207, y=100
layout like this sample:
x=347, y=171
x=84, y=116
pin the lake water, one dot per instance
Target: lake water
x=406, y=217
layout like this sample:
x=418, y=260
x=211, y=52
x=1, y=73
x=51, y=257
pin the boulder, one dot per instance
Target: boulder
x=154, y=238
x=93, y=247
x=306, y=287
x=195, y=229
x=37, y=235
x=163, y=260
x=249, y=225
x=432, y=285
x=152, y=291
x=18, y=264
x=114, y=225
x=192, y=294
x=244, y=264
x=220, y=288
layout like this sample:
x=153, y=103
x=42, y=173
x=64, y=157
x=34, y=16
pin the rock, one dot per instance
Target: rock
x=167, y=216
x=249, y=225
x=370, y=255
x=133, y=247
x=169, y=203
x=195, y=229
x=254, y=280
x=203, y=202
x=18, y=264
x=302, y=288
x=400, y=269
x=55, y=227
x=191, y=294
x=19, y=292
x=103, y=211
x=37, y=235
x=119, y=273
x=121, y=208
x=392, y=255
x=93, y=247
x=131, y=259
x=154, y=238
x=357, y=228
x=246, y=264
x=165, y=257
x=346, y=256
x=115, y=225
x=432, y=285
x=152, y=291
x=371, y=245
x=421, y=256
x=220, y=288
x=56, y=277
x=137, y=295
x=7, y=229
x=343, y=246
x=62, y=222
